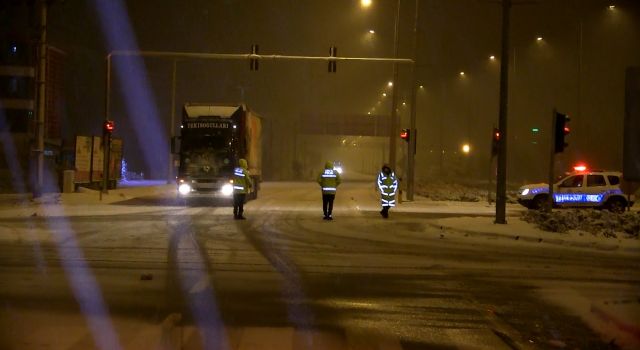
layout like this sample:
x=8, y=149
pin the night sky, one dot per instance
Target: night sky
x=578, y=67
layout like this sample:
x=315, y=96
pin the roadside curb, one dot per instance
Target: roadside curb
x=530, y=239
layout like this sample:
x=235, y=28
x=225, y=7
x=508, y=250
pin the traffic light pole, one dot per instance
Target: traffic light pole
x=42, y=55
x=552, y=159
x=253, y=56
x=393, y=125
x=501, y=181
x=411, y=155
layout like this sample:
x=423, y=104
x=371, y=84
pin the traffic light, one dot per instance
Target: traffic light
x=333, y=52
x=495, y=142
x=405, y=134
x=561, y=130
x=253, y=62
x=108, y=126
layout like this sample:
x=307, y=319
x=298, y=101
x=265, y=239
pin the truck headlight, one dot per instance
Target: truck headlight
x=184, y=189
x=227, y=189
x=525, y=192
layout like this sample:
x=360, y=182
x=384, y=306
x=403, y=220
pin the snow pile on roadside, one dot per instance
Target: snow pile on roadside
x=440, y=191
x=597, y=222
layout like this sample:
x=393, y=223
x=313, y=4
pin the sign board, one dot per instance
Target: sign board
x=97, y=159
x=115, y=159
x=83, y=159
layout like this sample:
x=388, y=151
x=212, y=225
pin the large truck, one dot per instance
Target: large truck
x=213, y=138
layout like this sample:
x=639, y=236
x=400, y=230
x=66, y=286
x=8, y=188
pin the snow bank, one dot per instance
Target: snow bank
x=440, y=191
x=597, y=222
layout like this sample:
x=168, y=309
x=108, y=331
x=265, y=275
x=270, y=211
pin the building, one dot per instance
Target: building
x=18, y=99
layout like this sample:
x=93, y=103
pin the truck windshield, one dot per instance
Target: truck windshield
x=206, y=153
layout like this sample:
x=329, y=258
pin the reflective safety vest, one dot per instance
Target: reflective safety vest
x=388, y=185
x=241, y=181
x=329, y=180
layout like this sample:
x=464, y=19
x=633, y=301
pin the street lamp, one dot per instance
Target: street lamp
x=371, y=31
x=461, y=74
x=492, y=57
x=466, y=148
x=539, y=38
x=390, y=84
x=365, y=3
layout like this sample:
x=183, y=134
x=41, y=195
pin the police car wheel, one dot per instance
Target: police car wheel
x=539, y=202
x=615, y=205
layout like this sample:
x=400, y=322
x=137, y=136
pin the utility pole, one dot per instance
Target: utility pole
x=501, y=181
x=172, y=132
x=552, y=159
x=411, y=155
x=393, y=125
x=42, y=74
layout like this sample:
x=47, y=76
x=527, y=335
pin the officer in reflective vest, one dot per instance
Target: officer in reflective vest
x=328, y=180
x=242, y=185
x=388, y=185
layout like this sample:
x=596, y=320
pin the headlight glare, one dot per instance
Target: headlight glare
x=525, y=192
x=184, y=189
x=227, y=189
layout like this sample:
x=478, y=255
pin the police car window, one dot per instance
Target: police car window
x=574, y=181
x=595, y=180
x=613, y=180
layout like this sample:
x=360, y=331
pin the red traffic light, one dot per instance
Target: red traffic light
x=404, y=134
x=108, y=126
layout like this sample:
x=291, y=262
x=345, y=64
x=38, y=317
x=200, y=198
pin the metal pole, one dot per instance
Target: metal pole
x=393, y=125
x=412, y=124
x=107, y=112
x=501, y=182
x=172, y=122
x=42, y=74
x=107, y=100
x=552, y=163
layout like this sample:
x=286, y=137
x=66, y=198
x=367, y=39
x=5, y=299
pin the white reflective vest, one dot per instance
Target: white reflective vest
x=388, y=185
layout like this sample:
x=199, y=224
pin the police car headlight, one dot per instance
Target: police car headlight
x=184, y=189
x=525, y=192
x=227, y=189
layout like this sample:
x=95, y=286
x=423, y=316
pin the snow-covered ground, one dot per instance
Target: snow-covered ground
x=443, y=191
x=469, y=224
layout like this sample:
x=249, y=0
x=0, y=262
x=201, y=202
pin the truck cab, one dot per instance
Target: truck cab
x=213, y=139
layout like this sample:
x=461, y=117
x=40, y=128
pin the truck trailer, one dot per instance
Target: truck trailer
x=213, y=138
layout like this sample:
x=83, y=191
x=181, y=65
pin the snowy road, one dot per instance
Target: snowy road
x=151, y=275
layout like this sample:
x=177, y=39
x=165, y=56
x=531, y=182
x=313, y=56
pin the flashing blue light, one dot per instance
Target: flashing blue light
x=14, y=49
x=577, y=198
x=538, y=190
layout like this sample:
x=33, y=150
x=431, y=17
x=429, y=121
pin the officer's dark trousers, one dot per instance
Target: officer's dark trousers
x=327, y=203
x=238, y=204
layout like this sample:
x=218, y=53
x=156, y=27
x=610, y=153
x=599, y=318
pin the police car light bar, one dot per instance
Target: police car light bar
x=580, y=167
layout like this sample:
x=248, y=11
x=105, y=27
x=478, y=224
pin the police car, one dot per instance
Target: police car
x=582, y=188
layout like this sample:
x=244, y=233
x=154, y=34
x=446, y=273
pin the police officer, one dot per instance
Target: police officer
x=242, y=185
x=328, y=180
x=387, y=184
